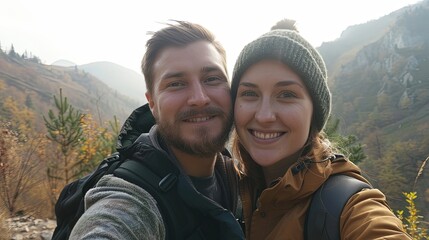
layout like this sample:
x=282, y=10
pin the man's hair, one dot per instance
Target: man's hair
x=180, y=34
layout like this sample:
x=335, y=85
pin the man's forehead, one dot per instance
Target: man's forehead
x=195, y=57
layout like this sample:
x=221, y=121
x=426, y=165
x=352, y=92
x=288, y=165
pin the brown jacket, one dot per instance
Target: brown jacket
x=281, y=209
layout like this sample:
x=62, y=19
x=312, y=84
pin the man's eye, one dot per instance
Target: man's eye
x=175, y=84
x=213, y=80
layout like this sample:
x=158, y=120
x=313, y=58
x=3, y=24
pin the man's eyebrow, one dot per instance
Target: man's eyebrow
x=207, y=69
x=181, y=74
x=173, y=75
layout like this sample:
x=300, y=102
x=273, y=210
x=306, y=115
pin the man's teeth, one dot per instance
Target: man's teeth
x=200, y=119
x=262, y=135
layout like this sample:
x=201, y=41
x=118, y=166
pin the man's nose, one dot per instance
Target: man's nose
x=198, y=95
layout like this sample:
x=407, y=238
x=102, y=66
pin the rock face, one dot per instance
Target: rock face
x=382, y=82
x=380, y=93
x=27, y=227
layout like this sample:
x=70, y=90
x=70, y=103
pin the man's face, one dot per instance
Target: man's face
x=191, y=98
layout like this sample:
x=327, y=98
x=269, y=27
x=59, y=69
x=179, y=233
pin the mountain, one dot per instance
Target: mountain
x=385, y=76
x=29, y=83
x=63, y=63
x=353, y=39
x=379, y=77
x=124, y=80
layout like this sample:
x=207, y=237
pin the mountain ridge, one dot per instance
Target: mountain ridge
x=26, y=81
x=124, y=80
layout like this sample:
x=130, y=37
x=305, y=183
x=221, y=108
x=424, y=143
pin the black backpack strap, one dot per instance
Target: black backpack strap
x=232, y=178
x=158, y=176
x=323, y=215
x=70, y=204
x=186, y=213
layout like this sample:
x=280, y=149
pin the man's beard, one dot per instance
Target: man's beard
x=205, y=145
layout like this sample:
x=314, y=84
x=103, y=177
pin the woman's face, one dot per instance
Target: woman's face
x=273, y=112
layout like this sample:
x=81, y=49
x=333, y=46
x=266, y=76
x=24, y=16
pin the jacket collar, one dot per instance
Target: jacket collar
x=293, y=188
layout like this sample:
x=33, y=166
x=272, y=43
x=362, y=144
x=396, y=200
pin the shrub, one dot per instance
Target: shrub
x=413, y=222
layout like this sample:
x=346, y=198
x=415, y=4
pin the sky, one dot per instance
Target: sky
x=85, y=31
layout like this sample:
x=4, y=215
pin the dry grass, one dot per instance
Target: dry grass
x=419, y=173
x=4, y=230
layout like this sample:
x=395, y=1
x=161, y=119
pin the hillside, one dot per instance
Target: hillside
x=385, y=84
x=33, y=84
x=124, y=80
x=352, y=40
x=379, y=76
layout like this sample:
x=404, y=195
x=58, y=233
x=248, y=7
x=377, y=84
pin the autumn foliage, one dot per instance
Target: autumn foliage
x=35, y=166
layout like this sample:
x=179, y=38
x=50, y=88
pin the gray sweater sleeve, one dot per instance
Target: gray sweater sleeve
x=117, y=209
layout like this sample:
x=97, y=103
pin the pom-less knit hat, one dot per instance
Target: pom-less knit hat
x=288, y=46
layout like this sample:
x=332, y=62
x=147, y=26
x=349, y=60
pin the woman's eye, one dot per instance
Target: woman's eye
x=287, y=94
x=248, y=94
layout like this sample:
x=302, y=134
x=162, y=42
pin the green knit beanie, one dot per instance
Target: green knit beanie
x=293, y=50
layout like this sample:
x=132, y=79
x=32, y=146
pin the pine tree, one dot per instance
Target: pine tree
x=12, y=52
x=349, y=145
x=29, y=101
x=65, y=130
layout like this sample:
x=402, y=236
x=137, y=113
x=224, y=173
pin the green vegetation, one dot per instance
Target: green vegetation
x=348, y=145
x=65, y=130
x=80, y=143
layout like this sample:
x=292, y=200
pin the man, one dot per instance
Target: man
x=189, y=96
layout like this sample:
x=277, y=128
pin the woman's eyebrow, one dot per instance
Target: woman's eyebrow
x=288, y=83
x=248, y=84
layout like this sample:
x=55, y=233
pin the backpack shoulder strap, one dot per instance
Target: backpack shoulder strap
x=232, y=178
x=70, y=204
x=323, y=216
x=155, y=173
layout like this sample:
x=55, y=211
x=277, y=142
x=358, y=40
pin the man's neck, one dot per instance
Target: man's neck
x=194, y=165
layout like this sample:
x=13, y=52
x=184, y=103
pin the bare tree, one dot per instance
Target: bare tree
x=19, y=168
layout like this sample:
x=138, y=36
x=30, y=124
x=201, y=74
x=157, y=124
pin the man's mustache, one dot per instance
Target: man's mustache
x=208, y=111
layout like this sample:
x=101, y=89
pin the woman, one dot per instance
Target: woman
x=281, y=105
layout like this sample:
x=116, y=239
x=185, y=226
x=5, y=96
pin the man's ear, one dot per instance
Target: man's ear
x=150, y=100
